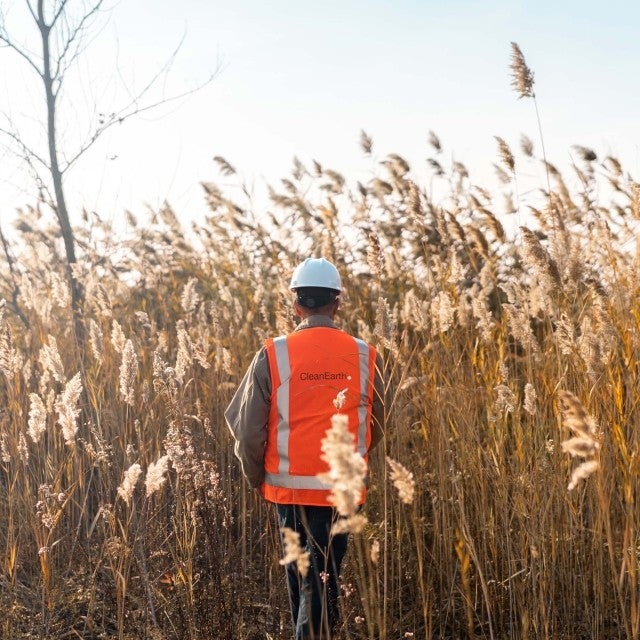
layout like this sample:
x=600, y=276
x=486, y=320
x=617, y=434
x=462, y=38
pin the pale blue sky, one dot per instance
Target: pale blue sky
x=303, y=78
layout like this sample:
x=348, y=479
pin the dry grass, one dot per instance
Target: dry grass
x=122, y=507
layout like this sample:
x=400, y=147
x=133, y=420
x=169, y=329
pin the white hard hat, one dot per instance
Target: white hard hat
x=316, y=272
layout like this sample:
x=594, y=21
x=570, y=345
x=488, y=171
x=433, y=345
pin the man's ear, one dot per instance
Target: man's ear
x=297, y=309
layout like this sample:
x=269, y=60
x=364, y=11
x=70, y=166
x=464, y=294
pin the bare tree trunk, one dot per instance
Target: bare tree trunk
x=77, y=293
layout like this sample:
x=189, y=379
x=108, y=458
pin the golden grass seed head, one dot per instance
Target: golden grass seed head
x=128, y=373
x=129, y=481
x=575, y=416
x=225, y=167
x=403, y=481
x=37, y=423
x=23, y=448
x=538, y=259
x=375, y=551
x=190, y=298
x=51, y=361
x=580, y=447
x=434, y=142
x=385, y=327
x=521, y=75
x=347, y=468
x=96, y=340
x=155, y=477
x=67, y=409
x=5, y=454
x=582, y=472
x=293, y=552
x=505, y=400
x=442, y=312
x=526, y=145
x=530, y=399
x=366, y=143
x=505, y=154
x=485, y=321
x=118, y=339
x=520, y=326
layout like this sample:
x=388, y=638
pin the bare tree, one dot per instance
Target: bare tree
x=63, y=33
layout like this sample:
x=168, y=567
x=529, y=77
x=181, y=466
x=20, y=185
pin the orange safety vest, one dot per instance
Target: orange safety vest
x=308, y=369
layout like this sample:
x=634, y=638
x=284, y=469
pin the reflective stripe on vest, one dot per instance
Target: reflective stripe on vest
x=283, y=477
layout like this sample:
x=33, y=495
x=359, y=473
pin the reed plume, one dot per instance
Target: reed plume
x=293, y=552
x=521, y=75
x=129, y=481
x=403, y=480
x=345, y=477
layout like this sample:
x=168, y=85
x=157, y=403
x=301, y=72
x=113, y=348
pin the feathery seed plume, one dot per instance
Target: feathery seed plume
x=506, y=400
x=403, y=481
x=51, y=360
x=485, y=323
x=100, y=298
x=442, y=312
x=585, y=444
x=530, y=399
x=128, y=373
x=131, y=475
x=60, y=294
x=155, y=475
x=385, y=325
x=118, y=338
x=522, y=77
x=37, y=417
x=520, y=327
x=375, y=256
x=635, y=199
x=434, y=141
x=187, y=353
x=225, y=168
x=526, y=145
x=505, y=154
x=67, y=410
x=96, y=340
x=502, y=175
x=375, y=551
x=366, y=143
x=23, y=448
x=293, y=551
x=5, y=455
x=576, y=417
x=541, y=263
x=582, y=472
x=190, y=298
x=345, y=477
x=340, y=399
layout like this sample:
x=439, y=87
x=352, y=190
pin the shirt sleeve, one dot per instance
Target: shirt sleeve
x=378, y=412
x=247, y=416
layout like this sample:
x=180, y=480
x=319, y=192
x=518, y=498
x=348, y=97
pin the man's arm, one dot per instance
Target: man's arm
x=247, y=416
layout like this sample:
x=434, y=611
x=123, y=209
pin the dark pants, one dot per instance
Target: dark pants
x=314, y=597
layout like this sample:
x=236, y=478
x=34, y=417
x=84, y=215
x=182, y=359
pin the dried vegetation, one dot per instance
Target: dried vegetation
x=504, y=503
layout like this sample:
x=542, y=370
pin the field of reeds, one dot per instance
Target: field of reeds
x=513, y=402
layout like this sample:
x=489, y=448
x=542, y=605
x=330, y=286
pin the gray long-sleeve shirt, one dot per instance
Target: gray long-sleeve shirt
x=248, y=412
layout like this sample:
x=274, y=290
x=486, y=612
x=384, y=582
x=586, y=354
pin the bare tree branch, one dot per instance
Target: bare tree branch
x=4, y=37
x=27, y=151
x=124, y=114
x=61, y=62
x=63, y=38
x=32, y=12
x=58, y=13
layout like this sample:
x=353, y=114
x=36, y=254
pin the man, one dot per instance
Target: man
x=278, y=418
